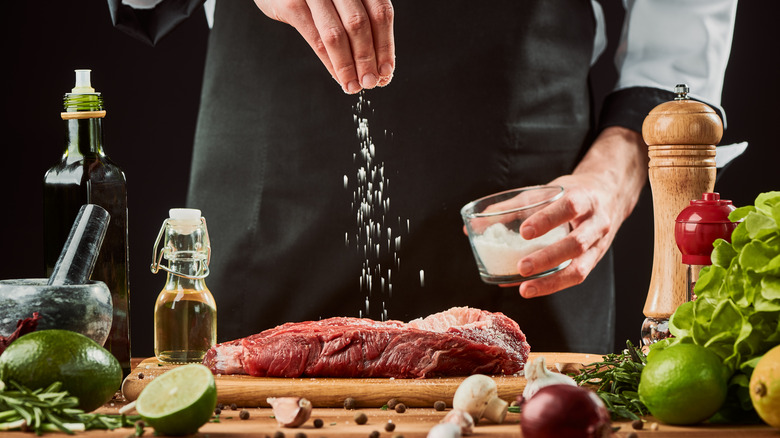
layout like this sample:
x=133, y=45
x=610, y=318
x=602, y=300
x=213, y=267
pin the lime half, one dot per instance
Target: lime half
x=179, y=401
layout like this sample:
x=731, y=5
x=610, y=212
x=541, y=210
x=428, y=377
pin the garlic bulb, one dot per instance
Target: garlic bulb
x=539, y=376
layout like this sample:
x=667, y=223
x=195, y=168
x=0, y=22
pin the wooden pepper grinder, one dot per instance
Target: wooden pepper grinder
x=681, y=136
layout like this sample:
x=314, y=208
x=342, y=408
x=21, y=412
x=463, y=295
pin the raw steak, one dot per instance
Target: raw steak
x=460, y=341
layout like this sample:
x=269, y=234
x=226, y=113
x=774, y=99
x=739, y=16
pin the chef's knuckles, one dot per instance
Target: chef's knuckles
x=354, y=41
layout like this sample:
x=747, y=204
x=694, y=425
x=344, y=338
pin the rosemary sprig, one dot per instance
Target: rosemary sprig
x=616, y=379
x=51, y=410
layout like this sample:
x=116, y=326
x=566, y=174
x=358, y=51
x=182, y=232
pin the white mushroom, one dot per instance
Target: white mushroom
x=445, y=430
x=290, y=411
x=478, y=395
x=462, y=419
x=539, y=376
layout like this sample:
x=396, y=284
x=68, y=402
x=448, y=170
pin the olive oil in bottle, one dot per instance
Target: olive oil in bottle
x=185, y=314
x=86, y=175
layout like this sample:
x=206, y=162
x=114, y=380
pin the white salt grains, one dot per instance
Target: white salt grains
x=374, y=237
x=500, y=249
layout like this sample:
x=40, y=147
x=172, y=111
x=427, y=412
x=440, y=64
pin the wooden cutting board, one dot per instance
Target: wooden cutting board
x=247, y=391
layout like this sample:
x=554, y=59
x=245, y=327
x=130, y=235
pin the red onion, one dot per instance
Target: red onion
x=565, y=411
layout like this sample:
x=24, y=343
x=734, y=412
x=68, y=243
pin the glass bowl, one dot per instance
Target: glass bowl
x=493, y=225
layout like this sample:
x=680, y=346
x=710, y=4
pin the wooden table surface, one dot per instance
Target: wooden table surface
x=414, y=423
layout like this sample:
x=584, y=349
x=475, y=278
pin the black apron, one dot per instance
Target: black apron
x=486, y=96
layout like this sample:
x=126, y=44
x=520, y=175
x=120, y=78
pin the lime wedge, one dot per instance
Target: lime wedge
x=179, y=401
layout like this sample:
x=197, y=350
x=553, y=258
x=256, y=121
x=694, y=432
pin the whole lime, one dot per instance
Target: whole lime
x=86, y=370
x=683, y=384
x=179, y=401
x=765, y=387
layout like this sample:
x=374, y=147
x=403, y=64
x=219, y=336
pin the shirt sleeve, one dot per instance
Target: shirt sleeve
x=664, y=43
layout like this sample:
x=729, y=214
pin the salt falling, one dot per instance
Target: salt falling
x=374, y=236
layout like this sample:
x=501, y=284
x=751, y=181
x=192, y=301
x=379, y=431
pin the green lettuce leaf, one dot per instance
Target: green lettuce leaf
x=737, y=310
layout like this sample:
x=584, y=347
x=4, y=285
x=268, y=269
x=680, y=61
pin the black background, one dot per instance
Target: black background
x=152, y=96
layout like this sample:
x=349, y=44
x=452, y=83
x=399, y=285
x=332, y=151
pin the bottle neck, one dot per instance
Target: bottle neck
x=187, y=250
x=84, y=138
x=184, y=266
x=83, y=115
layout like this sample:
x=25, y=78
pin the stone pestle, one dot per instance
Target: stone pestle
x=78, y=256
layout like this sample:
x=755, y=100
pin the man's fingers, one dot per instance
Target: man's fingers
x=358, y=25
x=303, y=21
x=336, y=42
x=561, y=211
x=382, y=16
x=569, y=276
x=352, y=38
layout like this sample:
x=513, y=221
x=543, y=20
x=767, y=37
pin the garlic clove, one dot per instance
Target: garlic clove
x=462, y=418
x=290, y=411
x=445, y=430
x=539, y=376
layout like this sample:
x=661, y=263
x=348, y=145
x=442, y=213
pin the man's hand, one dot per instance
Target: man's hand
x=600, y=193
x=353, y=38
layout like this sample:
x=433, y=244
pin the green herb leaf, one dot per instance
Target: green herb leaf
x=49, y=410
x=617, y=380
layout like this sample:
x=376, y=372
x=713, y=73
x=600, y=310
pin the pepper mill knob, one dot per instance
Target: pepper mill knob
x=681, y=136
x=683, y=122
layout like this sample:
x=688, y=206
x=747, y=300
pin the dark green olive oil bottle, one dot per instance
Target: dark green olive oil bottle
x=84, y=175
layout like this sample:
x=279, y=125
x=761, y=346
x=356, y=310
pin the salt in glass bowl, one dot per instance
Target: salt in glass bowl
x=493, y=226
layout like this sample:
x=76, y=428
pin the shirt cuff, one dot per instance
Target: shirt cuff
x=628, y=107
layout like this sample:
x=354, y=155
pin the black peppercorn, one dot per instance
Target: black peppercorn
x=350, y=403
x=400, y=408
x=390, y=426
x=361, y=418
x=391, y=403
x=439, y=405
x=318, y=423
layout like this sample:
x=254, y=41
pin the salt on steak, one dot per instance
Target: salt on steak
x=458, y=342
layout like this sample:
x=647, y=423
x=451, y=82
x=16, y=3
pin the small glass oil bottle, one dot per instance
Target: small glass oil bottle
x=185, y=314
